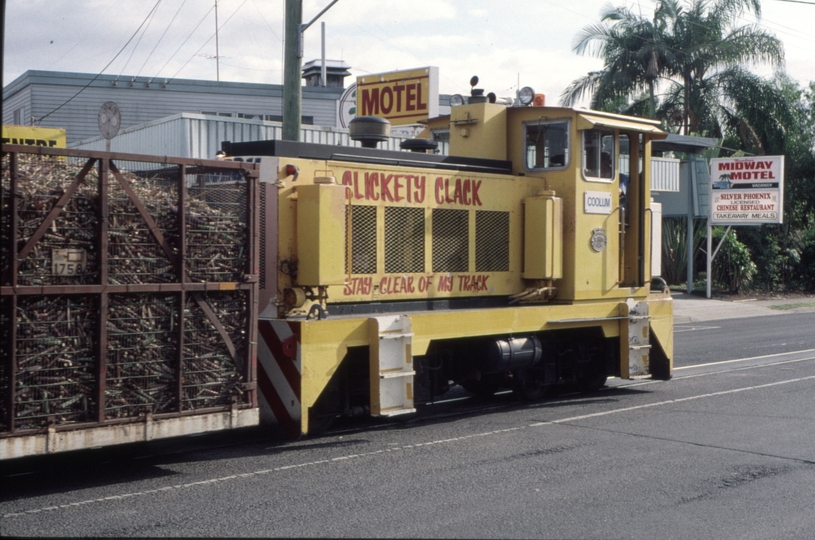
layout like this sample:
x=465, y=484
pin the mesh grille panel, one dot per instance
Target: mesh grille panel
x=404, y=240
x=56, y=336
x=41, y=183
x=451, y=240
x=211, y=378
x=141, y=355
x=363, y=246
x=215, y=245
x=491, y=241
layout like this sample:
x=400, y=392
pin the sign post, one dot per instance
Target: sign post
x=744, y=191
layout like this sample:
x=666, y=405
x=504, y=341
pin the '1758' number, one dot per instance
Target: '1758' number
x=68, y=262
x=67, y=269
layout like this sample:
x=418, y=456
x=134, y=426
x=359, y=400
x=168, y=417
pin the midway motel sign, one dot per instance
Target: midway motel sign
x=401, y=97
x=747, y=190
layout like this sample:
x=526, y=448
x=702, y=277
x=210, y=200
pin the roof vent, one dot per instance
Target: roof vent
x=419, y=145
x=369, y=130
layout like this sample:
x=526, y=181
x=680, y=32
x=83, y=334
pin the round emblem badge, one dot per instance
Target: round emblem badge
x=598, y=239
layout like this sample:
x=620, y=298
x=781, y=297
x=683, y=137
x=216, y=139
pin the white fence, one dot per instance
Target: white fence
x=664, y=173
x=199, y=136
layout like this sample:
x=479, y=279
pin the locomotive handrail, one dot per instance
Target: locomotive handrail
x=651, y=247
x=620, y=264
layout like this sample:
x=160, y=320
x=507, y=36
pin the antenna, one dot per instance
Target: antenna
x=217, y=55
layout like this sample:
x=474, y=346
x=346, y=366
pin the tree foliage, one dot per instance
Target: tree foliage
x=687, y=65
x=694, y=53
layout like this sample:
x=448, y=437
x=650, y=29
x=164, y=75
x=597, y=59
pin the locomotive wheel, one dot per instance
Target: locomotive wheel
x=483, y=388
x=593, y=376
x=532, y=390
x=592, y=382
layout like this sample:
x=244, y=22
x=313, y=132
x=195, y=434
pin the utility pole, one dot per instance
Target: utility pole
x=293, y=67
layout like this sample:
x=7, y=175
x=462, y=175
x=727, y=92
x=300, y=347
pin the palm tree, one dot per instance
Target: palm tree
x=710, y=49
x=635, y=53
x=693, y=50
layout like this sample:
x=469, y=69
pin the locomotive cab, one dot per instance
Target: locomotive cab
x=597, y=163
x=520, y=260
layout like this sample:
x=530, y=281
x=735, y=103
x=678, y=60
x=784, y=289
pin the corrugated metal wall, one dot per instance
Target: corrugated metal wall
x=71, y=101
x=199, y=136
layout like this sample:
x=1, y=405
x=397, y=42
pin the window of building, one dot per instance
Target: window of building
x=304, y=120
x=547, y=145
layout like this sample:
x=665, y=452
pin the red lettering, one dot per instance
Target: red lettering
x=419, y=183
x=447, y=191
x=457, y=193
x=476, y=185
x=420, y=105
x=439, y=189
x=386, y=187
x=408, y=186
x=371, y=185
x=387, y=91
x=410, y=104
x=397, y=186
x=399, y=89
x=370, y=101
x=466, y=196
x=357, y=194
x=347, y=180
x=358, y=286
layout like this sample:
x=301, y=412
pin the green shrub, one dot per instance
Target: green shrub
x=805, y=269
x=732, y=268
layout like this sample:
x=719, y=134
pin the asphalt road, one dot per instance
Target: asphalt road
x=726, y=449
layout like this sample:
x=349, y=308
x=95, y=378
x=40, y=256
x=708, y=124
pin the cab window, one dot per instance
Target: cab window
x=547, y=145
x=598, y=154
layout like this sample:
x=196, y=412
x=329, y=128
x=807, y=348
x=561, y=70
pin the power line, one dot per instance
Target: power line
x=103, y=69
x=136, y=46
x=161, y=38
x=183, y=42
x=207, y=41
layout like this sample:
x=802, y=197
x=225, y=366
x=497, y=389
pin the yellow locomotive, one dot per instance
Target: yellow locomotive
x=521, y=260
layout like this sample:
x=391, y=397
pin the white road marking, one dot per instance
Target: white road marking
x=419, y=445
x=805, y=351
x=694, y=329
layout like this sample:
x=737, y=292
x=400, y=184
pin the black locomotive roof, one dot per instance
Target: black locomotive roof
x=364, y=155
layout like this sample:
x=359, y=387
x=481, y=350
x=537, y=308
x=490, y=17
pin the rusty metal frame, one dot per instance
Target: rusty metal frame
x=183, y=287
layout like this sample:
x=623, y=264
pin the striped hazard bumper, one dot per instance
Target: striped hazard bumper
x=279, y=375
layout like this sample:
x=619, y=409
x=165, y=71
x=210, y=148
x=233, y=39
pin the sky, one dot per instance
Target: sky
x=507, y=43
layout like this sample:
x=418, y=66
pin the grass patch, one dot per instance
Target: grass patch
x=792, y=306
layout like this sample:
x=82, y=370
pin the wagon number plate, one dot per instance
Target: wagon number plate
x=68, y=262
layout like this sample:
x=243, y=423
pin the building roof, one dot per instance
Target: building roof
x=158, y=84
x=684, y=143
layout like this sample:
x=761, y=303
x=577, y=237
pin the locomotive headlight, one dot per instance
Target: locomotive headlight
x=526, y=95
x=456, y=100
x=294, y=298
